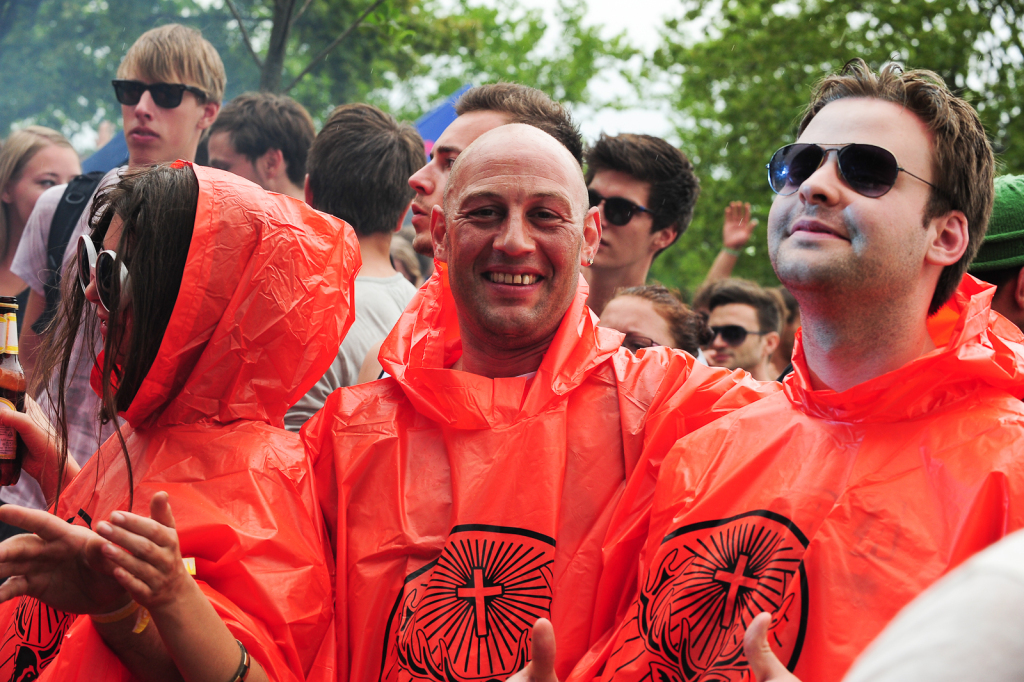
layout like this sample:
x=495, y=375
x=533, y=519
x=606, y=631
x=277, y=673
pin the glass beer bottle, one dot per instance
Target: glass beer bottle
x=12, y=392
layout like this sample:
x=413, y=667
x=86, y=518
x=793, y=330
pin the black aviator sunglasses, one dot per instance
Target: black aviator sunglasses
x=867, y=169
x=165, y=95
x=617, y=211
x=733, y=335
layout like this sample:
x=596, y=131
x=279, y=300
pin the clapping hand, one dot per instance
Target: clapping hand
x=58, y=563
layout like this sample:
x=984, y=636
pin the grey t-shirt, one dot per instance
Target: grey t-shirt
x=379, y=303
x=967, y=626
x=85, y=432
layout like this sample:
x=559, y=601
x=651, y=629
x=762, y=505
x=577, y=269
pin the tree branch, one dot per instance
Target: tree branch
x=302, y=9
x=245, y=34
x=337, y=41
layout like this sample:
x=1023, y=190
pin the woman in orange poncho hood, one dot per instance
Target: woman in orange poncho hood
x=265, y=297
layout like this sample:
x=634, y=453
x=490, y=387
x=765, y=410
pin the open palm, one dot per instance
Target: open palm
x=60, y=565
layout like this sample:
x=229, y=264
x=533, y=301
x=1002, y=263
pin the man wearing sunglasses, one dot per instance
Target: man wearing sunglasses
x=745, y=320
x=894, y=451
x=645, y=190
x=169, y=85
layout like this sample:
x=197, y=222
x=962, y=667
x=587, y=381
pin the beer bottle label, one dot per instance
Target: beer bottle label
x=12, y=333
x=8, y=434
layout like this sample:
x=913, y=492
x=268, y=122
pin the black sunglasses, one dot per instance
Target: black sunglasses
x=635, y=342
x=165, y=95
x=617, y=211
x=104, y=266
x=867, y=169
x=733, y=335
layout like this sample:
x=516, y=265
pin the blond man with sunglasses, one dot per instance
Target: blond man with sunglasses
x=170, y=85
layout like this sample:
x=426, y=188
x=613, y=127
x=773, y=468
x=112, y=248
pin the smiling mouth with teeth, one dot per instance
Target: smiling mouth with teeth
x=509, y=278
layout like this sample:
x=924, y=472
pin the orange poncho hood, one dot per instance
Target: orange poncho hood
x=265, y=299
x=830, y=510
x=261, y=310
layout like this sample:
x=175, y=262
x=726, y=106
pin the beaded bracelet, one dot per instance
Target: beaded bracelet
x=243, y=666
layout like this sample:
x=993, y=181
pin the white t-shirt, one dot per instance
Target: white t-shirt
x=967, y=626
x=379, y=303
x=85, y=432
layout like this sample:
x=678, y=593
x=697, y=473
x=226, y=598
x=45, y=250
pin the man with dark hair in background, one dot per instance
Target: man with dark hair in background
x=482, y=109
x=263, y=138
x=359, y=166
x=1000, y=261
x=646, y=190
x=745, y=320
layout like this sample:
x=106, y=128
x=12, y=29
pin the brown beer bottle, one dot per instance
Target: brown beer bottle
x=12, y=392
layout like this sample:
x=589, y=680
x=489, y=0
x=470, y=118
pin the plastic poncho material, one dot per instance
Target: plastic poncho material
x=265, y=299
x=464, y=508
x=829, y=510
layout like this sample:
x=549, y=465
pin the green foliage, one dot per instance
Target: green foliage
x=57, y=57
x=739, y=84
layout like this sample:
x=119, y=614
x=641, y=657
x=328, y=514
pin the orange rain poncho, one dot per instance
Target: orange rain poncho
x=265, y=298
x=830, y=510
x=463, y=508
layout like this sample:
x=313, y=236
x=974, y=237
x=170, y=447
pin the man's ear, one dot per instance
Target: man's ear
x=663, y=238
x=438, y=232
x=948, y=240
x=401, y=219
x=591, y=236
x=210, y=111
x=771, y=342
x=271, y=164
x=308, y=191
x=1018, y=290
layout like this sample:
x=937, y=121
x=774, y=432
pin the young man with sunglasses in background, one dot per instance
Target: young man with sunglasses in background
x=646, y=190
x=746, y=320
x=170, y=85
x=894, y=451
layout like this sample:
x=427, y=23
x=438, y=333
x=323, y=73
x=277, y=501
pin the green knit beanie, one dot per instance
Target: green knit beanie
x=1003, y=246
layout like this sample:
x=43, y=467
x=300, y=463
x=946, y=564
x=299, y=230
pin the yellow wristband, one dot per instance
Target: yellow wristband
x=114, y=616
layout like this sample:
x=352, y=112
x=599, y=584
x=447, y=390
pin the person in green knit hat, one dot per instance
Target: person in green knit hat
x=1000, y=261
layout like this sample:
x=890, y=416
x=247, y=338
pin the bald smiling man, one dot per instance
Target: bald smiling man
x=491, y=479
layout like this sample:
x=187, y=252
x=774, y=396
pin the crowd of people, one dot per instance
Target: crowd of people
x=486, y=447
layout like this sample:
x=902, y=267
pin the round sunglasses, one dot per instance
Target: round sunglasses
x=165, y=95
x=617, y=211
x=867, y=169
x=103, y=265
x=733, y=335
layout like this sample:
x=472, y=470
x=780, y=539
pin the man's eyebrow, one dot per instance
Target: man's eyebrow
x=444, y=149
x=490, y=194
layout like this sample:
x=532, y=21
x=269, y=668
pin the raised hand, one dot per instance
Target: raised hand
x=763, y=662
x=60, y=565
x=146, y=553
x=542, y=665
x=738, y=226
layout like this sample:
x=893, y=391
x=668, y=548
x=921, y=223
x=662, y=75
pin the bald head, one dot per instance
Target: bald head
x=509, y=146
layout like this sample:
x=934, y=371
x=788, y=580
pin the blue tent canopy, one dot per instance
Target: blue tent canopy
x=431, y=124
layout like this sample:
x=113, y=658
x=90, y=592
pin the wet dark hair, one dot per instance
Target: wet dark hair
x=157, y=206
x=689, y=328
x=674, y=184
x=359, y=168
x=523, y=104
